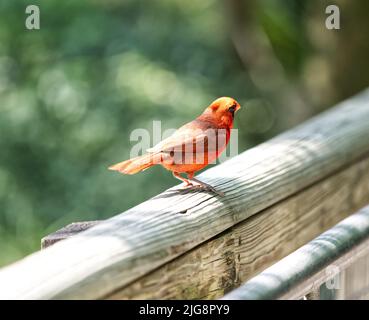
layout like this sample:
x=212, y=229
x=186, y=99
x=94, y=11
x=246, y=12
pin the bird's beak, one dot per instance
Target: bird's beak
x=238, y=107
x=235, y=107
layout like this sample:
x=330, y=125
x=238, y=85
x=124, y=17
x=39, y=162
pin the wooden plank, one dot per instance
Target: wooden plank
x=218, y=272
x=343, y=263
x=117, y=252
x=231, y=258
x=340, y=246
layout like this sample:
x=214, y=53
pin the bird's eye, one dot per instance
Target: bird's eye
x=232, y=109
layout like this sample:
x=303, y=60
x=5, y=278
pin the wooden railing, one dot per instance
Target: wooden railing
x=323, y=268
x=279, y=196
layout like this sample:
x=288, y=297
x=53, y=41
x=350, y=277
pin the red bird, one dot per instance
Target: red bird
x=192, y=147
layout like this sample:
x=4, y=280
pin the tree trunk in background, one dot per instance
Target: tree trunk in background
x=339, y=65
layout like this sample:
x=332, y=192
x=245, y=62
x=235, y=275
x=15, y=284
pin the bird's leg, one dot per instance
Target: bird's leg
x=178, y=176
x=204, y=185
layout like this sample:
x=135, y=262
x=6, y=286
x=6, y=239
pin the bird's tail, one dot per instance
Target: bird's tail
x=137, y=164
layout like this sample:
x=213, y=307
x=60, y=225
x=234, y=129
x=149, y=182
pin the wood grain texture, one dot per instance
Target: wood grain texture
x=233, y=257
x=341, y=246
x=120, y=250
x=67, y=232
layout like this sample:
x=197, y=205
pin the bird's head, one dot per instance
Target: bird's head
x=223, y=110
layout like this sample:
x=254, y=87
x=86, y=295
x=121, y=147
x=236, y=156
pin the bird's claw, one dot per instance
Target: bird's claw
x=200, y=187
x=219, y=193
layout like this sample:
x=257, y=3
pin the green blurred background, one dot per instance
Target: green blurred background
x=71, y=92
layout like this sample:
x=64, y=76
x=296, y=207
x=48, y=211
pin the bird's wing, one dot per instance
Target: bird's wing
x=189, y=139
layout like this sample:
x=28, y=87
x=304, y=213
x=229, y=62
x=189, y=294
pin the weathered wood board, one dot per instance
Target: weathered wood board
x=233, y=257
x=306, y=269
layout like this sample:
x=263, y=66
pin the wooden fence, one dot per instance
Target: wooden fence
x=279, y=196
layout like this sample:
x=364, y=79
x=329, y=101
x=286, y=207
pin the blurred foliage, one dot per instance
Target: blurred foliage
x=71, y=93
